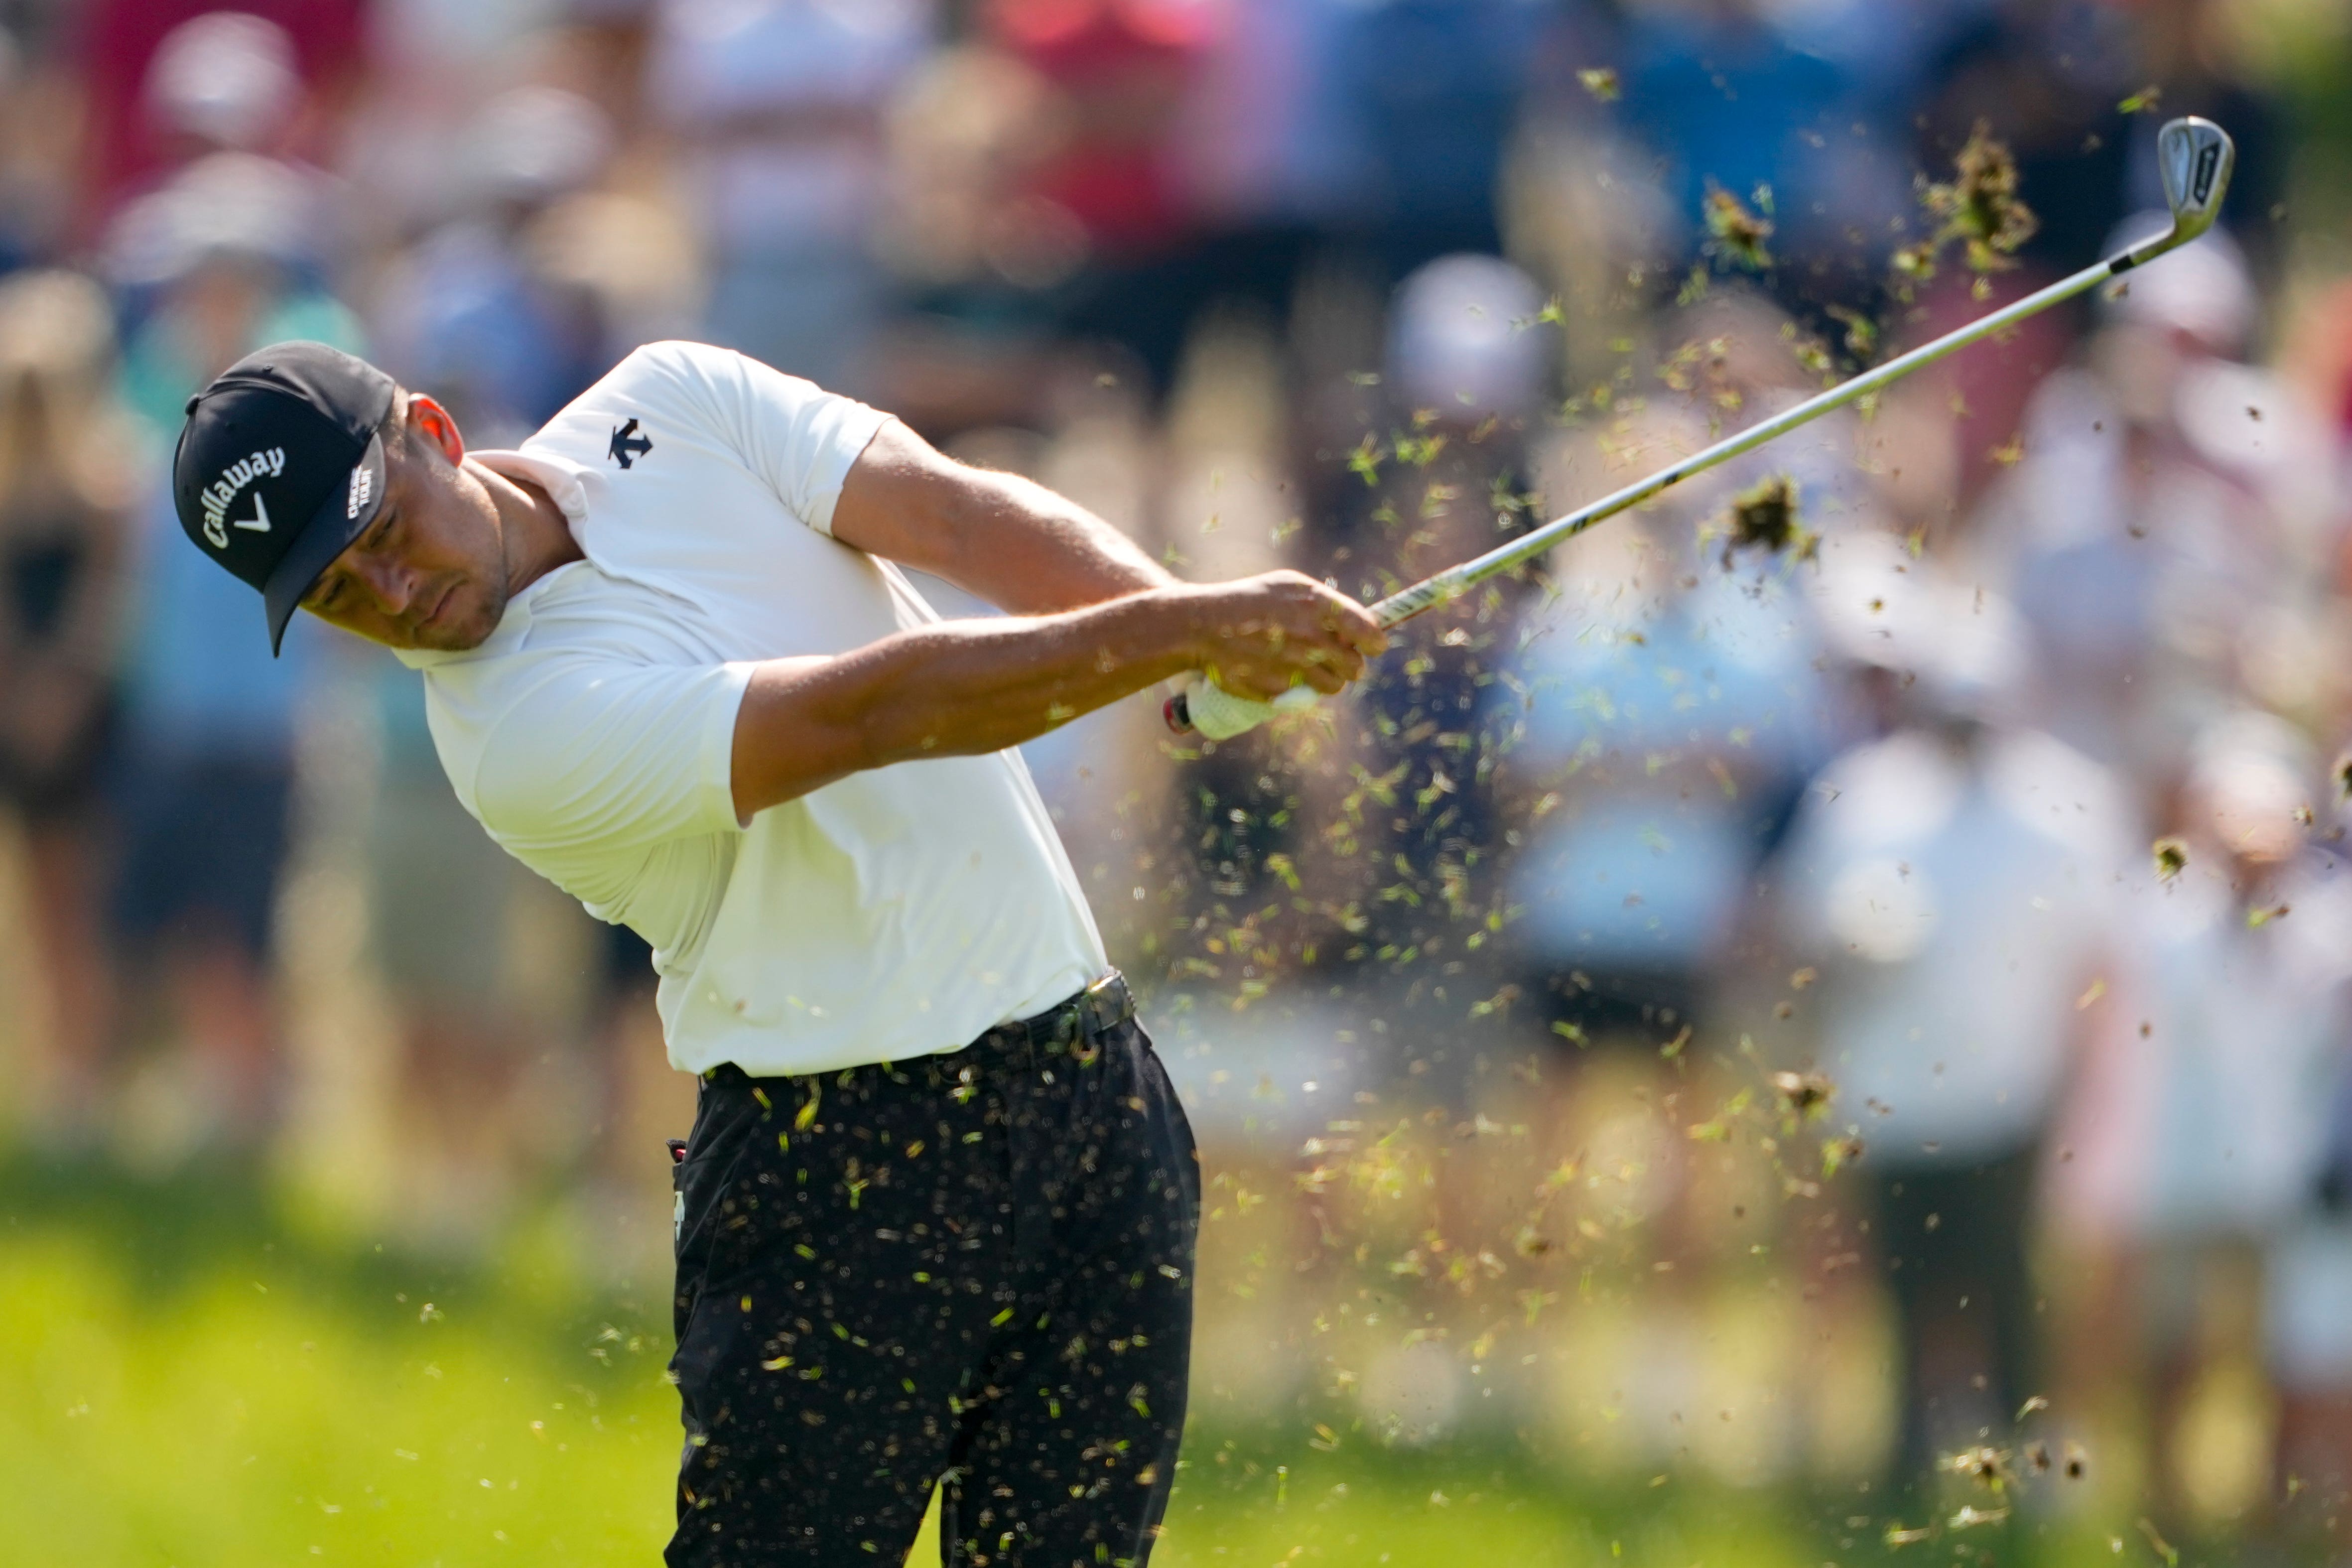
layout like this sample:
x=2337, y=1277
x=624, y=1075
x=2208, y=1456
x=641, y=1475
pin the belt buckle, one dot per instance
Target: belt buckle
x=1094, y=1012
x=1100, y=1001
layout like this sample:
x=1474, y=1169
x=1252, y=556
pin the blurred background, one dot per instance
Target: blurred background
x=1709, y=1035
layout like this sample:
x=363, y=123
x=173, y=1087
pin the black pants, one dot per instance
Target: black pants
x=975, y=1269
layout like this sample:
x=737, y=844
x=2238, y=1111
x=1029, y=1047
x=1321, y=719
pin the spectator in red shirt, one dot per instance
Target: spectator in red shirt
x=1124, y=69
x=1106, y=189
x=266, y=76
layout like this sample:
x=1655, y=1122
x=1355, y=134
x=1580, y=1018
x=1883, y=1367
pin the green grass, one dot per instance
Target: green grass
x=231, y=1426
x=182, y=1384
x=186, y=1382
x=1458, y=1507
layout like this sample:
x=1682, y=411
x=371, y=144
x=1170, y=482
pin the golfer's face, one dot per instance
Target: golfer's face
x=429, y=572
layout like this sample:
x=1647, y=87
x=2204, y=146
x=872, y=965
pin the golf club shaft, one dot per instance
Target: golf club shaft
x=1453, y=582
x=1229, y=713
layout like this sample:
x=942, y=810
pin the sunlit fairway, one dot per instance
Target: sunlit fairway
x=248, y=1410
x=184, y=1384
x=206, y=1390
x=253, y=1412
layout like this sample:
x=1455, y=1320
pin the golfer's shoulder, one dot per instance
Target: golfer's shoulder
x=673, y=379
x=702, y=379
x=781, y=425
x=677, y=363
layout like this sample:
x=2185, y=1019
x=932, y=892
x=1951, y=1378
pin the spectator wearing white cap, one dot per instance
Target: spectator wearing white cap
x=169, y=81
x=466, y=314
x=1950, y=882
x=779, y=104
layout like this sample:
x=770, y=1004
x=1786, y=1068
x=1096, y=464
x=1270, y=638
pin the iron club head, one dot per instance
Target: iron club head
x=2195, y=157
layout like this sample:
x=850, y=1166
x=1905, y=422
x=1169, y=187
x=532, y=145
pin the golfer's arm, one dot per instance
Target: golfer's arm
x=1014, y=543
x=957, y=689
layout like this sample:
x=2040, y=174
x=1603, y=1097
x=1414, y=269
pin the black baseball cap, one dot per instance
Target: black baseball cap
x=280, y=466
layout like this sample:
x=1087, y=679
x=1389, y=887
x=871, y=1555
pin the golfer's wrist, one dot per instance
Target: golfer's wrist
x=1201, y=621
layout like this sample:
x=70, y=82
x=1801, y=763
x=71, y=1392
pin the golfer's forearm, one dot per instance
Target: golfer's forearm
x=960, y=689
x=980, y=686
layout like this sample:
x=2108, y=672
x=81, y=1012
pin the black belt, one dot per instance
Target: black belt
x=1069, y=1030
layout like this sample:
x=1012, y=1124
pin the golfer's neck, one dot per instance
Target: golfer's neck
x=536, y=538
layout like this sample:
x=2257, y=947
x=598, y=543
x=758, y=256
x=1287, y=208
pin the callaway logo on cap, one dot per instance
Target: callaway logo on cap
x=280, y=467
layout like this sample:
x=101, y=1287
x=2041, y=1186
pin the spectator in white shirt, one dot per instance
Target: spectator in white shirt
x=1950, y=882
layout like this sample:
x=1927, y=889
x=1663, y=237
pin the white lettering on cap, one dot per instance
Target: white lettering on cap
x=218, y=496
x=363, y=487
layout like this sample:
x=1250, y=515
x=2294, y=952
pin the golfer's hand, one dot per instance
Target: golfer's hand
x=1263, y=636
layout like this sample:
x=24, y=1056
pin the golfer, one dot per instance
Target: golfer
x=935, y=1219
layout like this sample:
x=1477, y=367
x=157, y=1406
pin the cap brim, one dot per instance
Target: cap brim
x=328, y=534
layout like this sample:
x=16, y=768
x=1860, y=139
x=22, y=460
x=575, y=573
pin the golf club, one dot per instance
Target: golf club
x=2194, y=156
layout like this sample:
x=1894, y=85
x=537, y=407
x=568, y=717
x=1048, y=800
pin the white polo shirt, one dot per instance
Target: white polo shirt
x=898, y=914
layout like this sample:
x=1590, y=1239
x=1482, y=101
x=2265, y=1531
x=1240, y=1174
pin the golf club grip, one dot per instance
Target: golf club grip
x=1214, y=713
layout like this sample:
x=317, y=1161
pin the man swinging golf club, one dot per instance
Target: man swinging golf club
x=936, y=1218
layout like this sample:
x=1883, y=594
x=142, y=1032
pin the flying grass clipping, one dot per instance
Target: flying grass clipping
x=1736, y=234
x=1766, y=517
x=1978, y=209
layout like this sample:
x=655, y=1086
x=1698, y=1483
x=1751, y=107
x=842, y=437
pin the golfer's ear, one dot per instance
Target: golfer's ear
x=429, y=422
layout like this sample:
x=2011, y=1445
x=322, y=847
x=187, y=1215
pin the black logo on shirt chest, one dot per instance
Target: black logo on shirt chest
x=627, y=444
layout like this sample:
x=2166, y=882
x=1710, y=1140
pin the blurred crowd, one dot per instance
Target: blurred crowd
x=2009, y=796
